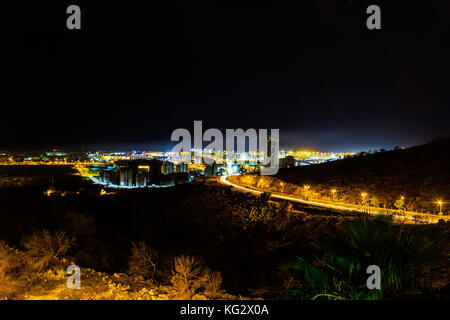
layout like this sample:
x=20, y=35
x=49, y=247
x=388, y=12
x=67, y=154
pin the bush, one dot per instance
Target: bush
x=187, y=275
x=13, y=269
x=44, y=248
x=213, y=282
x=143, y=261
x=191, y=275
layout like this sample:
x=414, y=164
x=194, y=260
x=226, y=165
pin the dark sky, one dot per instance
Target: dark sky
x=135, y=72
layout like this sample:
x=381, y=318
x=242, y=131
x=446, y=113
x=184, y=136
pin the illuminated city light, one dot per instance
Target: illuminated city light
x=440, y=203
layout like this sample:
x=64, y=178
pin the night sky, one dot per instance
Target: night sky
x=135, y=72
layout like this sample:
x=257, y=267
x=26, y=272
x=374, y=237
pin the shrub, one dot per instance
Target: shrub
x=187, y=275
x=13, y=270
x=143, y=261
x=212, y=282
x=191, y=276
x=44, y=248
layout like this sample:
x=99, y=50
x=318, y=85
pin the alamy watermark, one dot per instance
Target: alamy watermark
x=258, y=143
x=74, y=281
x=374, y=280
x=73, y=22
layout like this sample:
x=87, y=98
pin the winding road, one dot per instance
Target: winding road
x=427, y=218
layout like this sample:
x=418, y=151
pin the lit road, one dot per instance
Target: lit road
x=426, y=217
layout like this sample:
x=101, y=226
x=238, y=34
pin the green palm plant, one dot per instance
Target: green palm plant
x=369, y=240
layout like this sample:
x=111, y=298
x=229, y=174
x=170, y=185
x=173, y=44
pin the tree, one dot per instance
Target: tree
x=143, y=261
x=373, y=201
x=399, y=203
x=45, y=248
x=186, y=277
x=190, y=275
x=213, y=282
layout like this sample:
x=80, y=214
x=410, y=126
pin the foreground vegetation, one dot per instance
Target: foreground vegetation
x=400, y=253
x=39, y=272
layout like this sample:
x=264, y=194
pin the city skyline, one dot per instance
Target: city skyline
x=112, y=147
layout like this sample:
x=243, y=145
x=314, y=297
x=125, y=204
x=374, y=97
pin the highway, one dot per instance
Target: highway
x=427, y=218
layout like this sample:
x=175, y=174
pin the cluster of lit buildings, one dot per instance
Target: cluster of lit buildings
x=145, y=169
x=140, y=173
x=36, y=158
x=137, y=169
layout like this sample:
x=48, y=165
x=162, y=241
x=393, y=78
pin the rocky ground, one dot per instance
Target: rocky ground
x=102, y=286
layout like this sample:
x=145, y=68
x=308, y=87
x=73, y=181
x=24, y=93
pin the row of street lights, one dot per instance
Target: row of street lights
x=363, y=195
x=440, y=203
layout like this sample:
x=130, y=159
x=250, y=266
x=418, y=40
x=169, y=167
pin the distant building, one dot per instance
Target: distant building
x=287, y=162
x=211, y=169
x=167, y=180
x=290, y=161
x=182, y=167
x=282, y=163
x=126, y=176
x=156, y=171
x=135, y=173
x=142, y=175
x=109, y=176
x=139, y=173
x=168, y=167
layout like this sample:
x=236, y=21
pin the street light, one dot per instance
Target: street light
x=282, y=184
x=333, y=191
x=440, y=203
x=306, y=187
x=363, y=196
x=401, y=204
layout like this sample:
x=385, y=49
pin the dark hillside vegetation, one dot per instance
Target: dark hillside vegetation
x=421, y=174
x=245, y=237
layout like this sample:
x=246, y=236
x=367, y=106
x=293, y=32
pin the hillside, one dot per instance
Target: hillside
x=421, y=174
